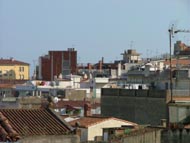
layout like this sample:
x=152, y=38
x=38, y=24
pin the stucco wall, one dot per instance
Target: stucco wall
x=97, y=129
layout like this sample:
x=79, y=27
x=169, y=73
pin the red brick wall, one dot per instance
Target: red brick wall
x=57, y=57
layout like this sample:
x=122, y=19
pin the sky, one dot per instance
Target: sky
x=95, y=28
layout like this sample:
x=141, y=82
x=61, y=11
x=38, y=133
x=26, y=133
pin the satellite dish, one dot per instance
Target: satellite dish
x=56, y=99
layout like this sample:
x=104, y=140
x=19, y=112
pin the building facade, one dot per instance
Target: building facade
x=11, y=69
x=57, y=63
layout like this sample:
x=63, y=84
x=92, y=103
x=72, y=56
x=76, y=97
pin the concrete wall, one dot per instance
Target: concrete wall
x=178, y=112
x=139, y=106
x=148, y=137
x=175, y=136
x=75, y=94
x=51, y=139
x=83, y=134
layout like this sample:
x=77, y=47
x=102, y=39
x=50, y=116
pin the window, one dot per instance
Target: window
x=21, y=69
x=21, y=76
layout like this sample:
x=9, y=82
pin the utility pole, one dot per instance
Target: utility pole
x=171, y=32
x=171, y=35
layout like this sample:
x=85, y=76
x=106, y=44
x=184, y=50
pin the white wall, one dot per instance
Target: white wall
x=97, y=129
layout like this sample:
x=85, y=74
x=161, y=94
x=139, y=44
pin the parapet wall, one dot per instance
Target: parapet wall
x=133, y=93
x=139, y=106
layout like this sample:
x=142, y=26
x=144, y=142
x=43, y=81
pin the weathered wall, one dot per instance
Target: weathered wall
x=175, y=136
x=97, y=129
x=75, y=94
x=51, y=139
x=149, y=137
x=139, y=106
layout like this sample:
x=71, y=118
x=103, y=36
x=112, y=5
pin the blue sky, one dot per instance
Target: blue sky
x=95, y=28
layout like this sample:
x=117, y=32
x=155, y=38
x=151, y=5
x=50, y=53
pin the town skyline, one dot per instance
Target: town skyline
x=30, y=29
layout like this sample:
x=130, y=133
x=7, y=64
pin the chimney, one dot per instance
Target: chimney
x=102, y=60
x=87, y=110
x=100, y=66
x=89, y=66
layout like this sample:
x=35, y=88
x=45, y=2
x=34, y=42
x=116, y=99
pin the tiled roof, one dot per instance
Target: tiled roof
x=7, y=86
x=7, y=133
x=181, y=98
x=187, y=126
x=62, y=104
x=11, y=62
x=28, y=122
x=85, y=122
x=178, y=61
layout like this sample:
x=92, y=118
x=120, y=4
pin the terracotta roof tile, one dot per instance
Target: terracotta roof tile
x=178, y=61
x=7, y=133
x=62, y=104
x=181, y=98
x=187, y=126
x=85, y=122
x=11, y=62
x=7, y=85
x=27, y=122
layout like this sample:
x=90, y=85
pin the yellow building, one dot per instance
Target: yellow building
x=11, y=69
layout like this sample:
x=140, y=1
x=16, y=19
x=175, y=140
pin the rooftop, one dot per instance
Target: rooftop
x=62, y=104
x=11, y=62
x=29, y=122
x=85, y=122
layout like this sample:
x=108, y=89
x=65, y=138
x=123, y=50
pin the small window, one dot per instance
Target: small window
x=21, y=69
x=21, y=76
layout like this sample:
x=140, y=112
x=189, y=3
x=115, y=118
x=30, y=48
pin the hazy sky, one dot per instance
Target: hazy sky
x=95, y=28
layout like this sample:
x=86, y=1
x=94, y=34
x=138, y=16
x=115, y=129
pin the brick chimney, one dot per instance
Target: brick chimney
x=89, y=66
x=100, y=66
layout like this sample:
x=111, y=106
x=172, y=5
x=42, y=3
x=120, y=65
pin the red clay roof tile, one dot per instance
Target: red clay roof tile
x=85, y=122
x=11, y=62
x=62, y=104
x=27, y=122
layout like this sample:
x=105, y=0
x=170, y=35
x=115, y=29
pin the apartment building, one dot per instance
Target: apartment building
x=11, y=69
x=57, y=63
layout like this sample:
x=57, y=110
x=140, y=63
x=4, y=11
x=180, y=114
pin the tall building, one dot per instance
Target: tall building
x=11, y=69
x=57, y=63
x=131, y=56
